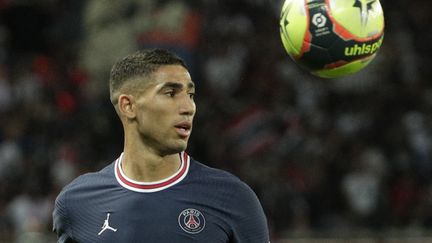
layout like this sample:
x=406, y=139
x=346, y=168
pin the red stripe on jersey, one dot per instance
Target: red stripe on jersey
x=146, y=186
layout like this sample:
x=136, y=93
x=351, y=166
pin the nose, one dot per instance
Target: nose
x=187, y=106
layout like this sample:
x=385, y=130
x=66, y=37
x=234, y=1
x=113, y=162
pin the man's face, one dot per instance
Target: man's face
x=165, y=110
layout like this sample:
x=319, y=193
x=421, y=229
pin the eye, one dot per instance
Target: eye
x=170, y=93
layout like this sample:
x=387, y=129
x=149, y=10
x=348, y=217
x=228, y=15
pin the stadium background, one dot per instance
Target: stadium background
x=347, y=159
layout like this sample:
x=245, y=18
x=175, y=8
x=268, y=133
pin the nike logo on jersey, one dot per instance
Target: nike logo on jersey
x=106, y=225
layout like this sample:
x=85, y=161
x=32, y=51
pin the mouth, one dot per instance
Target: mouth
x=183, y=129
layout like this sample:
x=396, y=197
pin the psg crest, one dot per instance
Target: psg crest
x=191, y=221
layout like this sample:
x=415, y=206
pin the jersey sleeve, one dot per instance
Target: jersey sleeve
x=249, y=220
x=61, y=224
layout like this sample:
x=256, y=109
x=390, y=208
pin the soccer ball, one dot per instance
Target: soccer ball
x=332, y=38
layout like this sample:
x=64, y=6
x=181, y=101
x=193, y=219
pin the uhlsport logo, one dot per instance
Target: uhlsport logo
x=191, y=221
x=363, y=49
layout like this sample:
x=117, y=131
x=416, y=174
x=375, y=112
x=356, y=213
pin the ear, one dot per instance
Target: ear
x=126, y=105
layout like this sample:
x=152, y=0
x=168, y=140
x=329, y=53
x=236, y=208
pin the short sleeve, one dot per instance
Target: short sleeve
x=249, y=220
x=61, y=224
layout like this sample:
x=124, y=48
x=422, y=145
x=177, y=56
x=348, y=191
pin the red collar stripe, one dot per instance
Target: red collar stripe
x=153, y=186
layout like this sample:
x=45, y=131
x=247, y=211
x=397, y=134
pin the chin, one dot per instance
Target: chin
x=177, y=148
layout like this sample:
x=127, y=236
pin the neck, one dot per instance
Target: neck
x=145, y=166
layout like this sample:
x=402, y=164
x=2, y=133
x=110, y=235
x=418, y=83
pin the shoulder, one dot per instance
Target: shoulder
x=92, y=178
x=75, y=196
x=231, y=186
x=214, y=175
x=86, y=182
x=242, y=208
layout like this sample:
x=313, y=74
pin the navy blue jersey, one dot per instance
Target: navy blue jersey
x=196, y=204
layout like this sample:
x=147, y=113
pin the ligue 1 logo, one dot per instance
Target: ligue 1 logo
x=319, y=20
x=191, y=221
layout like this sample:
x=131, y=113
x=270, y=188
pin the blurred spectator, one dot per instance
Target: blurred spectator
x=30, y=214
x=111, y=30
x=420, y=142
x=362, y=185
x=5, y=90
x=11, y=154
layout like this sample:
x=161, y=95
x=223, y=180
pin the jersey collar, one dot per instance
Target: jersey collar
x=137, y=186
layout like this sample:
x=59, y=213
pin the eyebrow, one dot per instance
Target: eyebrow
x=176, y=85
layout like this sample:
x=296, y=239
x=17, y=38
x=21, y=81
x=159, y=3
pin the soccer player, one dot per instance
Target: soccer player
x=155, y=192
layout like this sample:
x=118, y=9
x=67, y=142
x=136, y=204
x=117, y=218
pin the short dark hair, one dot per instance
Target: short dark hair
x=139, y=64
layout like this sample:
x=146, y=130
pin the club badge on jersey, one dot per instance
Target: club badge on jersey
x=191, y=221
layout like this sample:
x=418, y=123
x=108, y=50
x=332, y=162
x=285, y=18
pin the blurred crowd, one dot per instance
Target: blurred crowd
x=339, y=155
